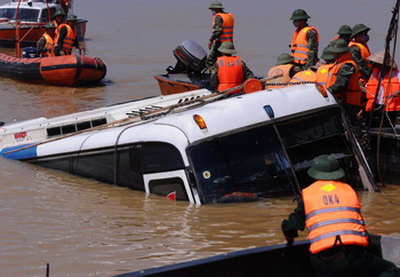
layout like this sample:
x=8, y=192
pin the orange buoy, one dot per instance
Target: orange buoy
x=252, y=85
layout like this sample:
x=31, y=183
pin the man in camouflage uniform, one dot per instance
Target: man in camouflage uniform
x=305, y=41
x=219, y=33
x=359, y=50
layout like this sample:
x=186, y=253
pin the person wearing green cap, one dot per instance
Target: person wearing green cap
x=228, y=71
x=66, y=38
x=360, y=51
x=331, y=211
x=305, y=40
x=45, y=45
x=58, y=18
x=284, y=66
x=323, y=69
x=223, y=24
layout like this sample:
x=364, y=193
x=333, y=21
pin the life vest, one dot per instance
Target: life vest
x=230, y=72
x=353, y=94
x=364, y=49
x=304, y=76
x=322, y=75
x=393, y=103
x=299, y=44
x=49, y=46
x=68, y=40
x=227, y=26
x=283, y=69
x=332, y=209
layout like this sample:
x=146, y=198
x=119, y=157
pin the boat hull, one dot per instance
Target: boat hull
x=178, y=83
x=70, y=70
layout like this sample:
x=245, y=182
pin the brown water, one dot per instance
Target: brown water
x=87, y=228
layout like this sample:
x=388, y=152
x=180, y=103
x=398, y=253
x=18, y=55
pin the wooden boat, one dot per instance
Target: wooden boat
x=70, y=70
x=201, y=146
x=188, y=73
x=32, y=16
x=276, y=260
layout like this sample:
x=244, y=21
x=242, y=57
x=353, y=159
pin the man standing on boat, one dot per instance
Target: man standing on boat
x=66, y=38
x=331, y=211
x=58, y=18
x=360, y=51
x=229, y=71
x=45, y=45
x=305, y=40
x=223, y=24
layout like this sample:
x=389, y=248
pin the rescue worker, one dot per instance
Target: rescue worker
x=360, y=51
x=229, y=71
x=284, y=67
x=305, y=40
x=388, y=99
x=223, y=24
x=66, y=38
x=343, y=80
x=322, y=74
x=344, y=32
x=45, y=45
x=331, y=211
x=58, y=18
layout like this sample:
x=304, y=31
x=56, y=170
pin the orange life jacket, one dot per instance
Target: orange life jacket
x=332, y=209
x=364, y=49
x=227, y=26
x=68, y=40
x=283, y=69
x=299, y=44
x=393, y=103
x=230, y=72
x=304, y=76
x=49, y=46
x=323, y=74
x=353, y=94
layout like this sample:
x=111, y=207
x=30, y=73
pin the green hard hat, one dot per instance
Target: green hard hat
x=325, y=167
x=284, y=58
x=359, y=28
x=59, y=12
x=72, y=17
x=216, y=5
x=227, y=48
x=50, y=25
x=339, y=46
x=326, y=54
x=345, y=30
x=299, y=15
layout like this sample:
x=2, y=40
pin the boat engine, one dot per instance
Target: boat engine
x=191, y=58
x=30, y=52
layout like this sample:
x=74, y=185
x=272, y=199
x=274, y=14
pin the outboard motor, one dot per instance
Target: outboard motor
x=30, y=52
x=191, y=58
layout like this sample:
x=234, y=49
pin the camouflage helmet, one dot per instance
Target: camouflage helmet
x=339, y=46
x=284, y=58
x=326, y=54
x=59, y=12
x=359, y=28
x=216, y=5
x=72, y=17
x=50, y=25
x=345, y=30
x=299, y=15
x=325, y=167
x=227, y=48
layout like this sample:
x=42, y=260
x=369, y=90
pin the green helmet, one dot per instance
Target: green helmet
x=216, y=5
x=325, y=167
x=227, y=48
x=359, y=28
x=345, y=30
x=50, y=25
x=326, y=54
x=59, y=12
x=284, y=58
x=299, y=15
x=72, y=17
x=339, y=46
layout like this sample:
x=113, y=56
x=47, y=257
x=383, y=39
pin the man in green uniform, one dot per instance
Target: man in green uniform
x=344, y=258
x=359, y=50
x=305, y=41
x=227, y=49
x=223, y=24
x=345, y=32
